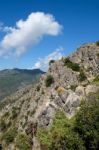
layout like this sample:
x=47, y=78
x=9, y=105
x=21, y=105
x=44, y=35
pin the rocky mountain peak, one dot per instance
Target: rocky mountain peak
x=67, y=82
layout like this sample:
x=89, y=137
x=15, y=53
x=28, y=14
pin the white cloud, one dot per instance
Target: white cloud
x=28, y=32
x=43, y=63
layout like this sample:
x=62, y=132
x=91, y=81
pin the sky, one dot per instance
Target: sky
x=33, y=32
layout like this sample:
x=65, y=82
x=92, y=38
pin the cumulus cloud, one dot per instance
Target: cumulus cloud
x=28, y=32
x=43, y=63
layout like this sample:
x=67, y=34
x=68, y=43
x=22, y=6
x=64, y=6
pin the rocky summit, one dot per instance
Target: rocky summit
x=67, y=83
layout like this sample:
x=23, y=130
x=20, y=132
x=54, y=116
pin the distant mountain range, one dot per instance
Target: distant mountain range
x=12, y=80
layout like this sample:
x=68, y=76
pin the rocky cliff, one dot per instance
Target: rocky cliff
x=67, y=82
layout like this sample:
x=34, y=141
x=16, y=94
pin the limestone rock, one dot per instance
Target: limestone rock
x=91, y=89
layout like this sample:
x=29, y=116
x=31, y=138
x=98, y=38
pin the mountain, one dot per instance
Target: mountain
x=14, y=79
x=61, y=112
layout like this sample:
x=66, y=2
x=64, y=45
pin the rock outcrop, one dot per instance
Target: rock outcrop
x=34, y=107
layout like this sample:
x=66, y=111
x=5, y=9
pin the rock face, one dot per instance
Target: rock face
x=87, y=57
x=34, y=107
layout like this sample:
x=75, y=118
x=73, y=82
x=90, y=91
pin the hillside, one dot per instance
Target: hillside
x=61, y=112
x=14, y=79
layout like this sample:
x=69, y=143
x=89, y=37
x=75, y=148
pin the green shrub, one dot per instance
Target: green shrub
x=51, y=62
x=73, y=66
x=97, y=54
x=73, y=87
x=15, y=112
x=49, y=80
x=10, y=135
x=6, y=115
x=60, y=136
x=87, y=124
x=63, y=136
x=38, y=88
x=3, y=125
x=82, y=76
x=45, y=138
x=80, y=132
x=97, y=43
x=96, y=79
x=23, y=142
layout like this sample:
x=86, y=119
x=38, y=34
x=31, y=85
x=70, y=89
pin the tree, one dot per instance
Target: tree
x=49, y=80
x=87, y=124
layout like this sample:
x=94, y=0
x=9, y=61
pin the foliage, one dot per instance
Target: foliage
x=73, y=66
x=97, y=43
x=10, y=135
x=73, y=87
x=60, y=136
x=15, y=112
x=97, y=54
x=6, y=114
x=23, y=142
x=51, y=62
x=87, y=124
x=38, y=88
x=63, y=136
x=80, y=132
x=96, y=80
x=82, y=76
x=3, y=125
x=44, y=137
x=49, y=80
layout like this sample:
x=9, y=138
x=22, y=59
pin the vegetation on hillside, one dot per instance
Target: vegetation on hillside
x=49, y=80
x=96, y=80
x=97, y=43
x=23, y=142
x=10, y=135
x=82, y=76
x=73, y=66
x=80, y=132
x=51, y=62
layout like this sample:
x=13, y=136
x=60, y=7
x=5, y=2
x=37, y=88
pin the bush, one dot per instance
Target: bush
x=82, y=76
x=44, y=138
x=87, y=124
x=3, y=125
x=63, y=137
x=97, y=54
x=6, y=115
x=73, y=66
x=73, y=87
x=51, y=62
x=23, y=142
x=15, y=112
x=38, y=88
x=60, y=136
x=10, y=135
x=49, y=80
x=97, y=43
x=80, y=132
x=96, y=79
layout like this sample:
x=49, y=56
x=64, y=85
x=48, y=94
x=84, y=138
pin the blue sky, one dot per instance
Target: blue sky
x=77, y=22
